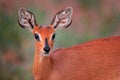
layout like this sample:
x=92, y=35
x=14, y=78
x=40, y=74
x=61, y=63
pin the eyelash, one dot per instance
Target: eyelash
x=37, y=37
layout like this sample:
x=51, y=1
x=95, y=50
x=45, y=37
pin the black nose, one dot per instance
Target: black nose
x=46, y=49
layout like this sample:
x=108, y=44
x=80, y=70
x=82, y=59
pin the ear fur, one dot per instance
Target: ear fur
x=63, y=18
x=26, y=19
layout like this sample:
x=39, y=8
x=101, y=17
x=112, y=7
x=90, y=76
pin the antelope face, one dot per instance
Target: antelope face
x=44, y=35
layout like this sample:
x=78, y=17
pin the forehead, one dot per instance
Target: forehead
x=43, y=30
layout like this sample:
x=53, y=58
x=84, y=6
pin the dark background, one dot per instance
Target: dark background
x=91, y=19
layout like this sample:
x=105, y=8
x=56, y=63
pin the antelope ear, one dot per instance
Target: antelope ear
x=63, y=18
x=26, y=19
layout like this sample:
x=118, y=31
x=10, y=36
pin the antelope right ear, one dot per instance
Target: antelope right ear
x=26, y=19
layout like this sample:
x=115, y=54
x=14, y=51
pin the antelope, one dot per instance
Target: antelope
x=98, y=59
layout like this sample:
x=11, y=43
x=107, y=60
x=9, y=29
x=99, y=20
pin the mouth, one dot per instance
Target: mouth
x=45, y=53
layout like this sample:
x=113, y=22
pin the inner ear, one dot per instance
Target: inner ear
x=62, y=18
x=26, y=19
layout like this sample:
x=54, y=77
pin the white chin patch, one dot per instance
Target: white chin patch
x=43, y=53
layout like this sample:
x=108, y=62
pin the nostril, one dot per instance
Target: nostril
x=47, y=49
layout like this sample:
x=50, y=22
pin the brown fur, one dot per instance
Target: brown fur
x=94, y=60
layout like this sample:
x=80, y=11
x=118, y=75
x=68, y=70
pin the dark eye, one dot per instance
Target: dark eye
x=53, y=37
x=37, y=37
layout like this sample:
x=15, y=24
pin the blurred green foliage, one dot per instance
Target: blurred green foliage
x=91, y=4
x=110, y=24
x=9, y=39
x=9, y=35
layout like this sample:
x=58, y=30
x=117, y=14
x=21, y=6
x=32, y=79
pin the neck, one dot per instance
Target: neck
x=42, y=66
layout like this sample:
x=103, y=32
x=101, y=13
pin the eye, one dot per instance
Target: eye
x=53, y=37
x=37, y=37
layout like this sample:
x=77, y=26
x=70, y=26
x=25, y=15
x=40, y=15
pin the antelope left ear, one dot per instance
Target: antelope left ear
x=63, y=18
